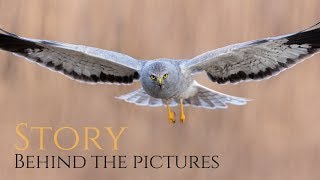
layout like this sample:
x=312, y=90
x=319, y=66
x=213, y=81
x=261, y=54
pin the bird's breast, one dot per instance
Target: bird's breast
x=181, y=90
x=162, y=93
x=188, y=92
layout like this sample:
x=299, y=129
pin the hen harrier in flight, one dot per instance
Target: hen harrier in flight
x=167, y=81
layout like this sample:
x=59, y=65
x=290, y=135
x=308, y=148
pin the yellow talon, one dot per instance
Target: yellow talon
x=182, y=116
x=170, y=114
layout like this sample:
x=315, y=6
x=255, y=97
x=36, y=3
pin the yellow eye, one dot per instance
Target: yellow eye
x=165, y=76
x=153, y=77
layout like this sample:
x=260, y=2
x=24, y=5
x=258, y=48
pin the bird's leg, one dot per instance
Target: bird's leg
x=170, y=113
x=182, y=115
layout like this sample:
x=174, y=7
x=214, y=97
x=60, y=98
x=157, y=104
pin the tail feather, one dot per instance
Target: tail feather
x=141, y=98
x=211, y=99
x=205, y=98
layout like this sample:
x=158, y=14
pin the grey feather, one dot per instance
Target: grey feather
x=76, y=61
x=204, y=97
x=167, y=79
x=141, y=98
x=255, y=60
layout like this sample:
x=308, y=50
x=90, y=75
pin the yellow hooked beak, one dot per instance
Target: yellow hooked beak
x=160, y=81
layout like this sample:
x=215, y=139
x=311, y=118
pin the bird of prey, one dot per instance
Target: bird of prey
x=167, y=81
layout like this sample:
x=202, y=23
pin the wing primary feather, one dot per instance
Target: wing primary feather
x=258, y=59
x=82, y=63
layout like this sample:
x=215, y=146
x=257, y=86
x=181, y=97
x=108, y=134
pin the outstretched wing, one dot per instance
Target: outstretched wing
x=258, y=59
x=83, y=63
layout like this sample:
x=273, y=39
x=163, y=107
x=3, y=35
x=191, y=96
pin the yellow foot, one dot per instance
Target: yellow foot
x=171, y=117
x=171, y=114
x=182, y=116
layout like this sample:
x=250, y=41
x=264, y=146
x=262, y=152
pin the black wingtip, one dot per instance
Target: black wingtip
x=13, y=43
x=315, y=26
x=8, y=33
x=310, y=36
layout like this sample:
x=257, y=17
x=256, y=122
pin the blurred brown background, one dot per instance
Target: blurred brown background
x=276, y=136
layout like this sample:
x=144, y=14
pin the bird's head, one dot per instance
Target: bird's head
x=159, y=75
